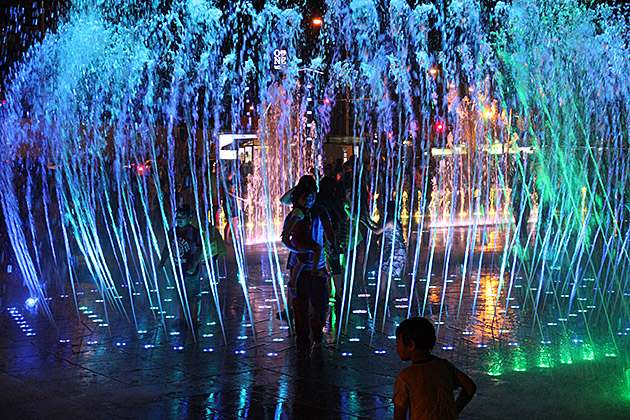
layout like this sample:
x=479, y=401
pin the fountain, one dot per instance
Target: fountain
x=458, y=112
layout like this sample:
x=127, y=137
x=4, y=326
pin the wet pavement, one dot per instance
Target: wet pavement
x=101, y=364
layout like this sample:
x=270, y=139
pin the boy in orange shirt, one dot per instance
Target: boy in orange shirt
x=425, y=388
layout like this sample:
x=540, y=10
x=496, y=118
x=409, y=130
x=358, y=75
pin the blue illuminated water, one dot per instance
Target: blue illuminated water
x=533, y=98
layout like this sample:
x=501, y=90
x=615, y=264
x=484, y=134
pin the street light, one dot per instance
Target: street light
x=317, y=21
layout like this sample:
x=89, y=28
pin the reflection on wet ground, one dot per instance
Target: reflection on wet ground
x=532, y=340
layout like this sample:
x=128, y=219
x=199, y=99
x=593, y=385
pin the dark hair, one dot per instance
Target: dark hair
x=299, y=190
x=306, y=184
x=391, y=211
x=419, y=330
x=184, y=210
x=308, y=180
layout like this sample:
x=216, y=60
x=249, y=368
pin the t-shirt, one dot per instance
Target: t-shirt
x=394, y=249
x=188, y=246
x=427, y=390
x=301, y=232
x=317, y=230
x=217, y=245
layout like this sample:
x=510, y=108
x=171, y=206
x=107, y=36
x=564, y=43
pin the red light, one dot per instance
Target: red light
x=326, y=101
x=439, y=127
x=389, y=135
x=4, y=102
x=140, y=169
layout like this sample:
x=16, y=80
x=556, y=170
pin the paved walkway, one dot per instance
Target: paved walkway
x=82, y=369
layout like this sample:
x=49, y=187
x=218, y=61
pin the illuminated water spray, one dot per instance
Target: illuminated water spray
x=509, y=121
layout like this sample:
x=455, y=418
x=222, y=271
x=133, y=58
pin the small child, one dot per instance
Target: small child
x=299, y=231
x=426, y=387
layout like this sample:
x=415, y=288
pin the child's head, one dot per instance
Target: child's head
x=184, y=214
x=303, y=195
x=416, y=330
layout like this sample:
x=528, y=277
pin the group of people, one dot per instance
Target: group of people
x=425, y=389
x=323, y=219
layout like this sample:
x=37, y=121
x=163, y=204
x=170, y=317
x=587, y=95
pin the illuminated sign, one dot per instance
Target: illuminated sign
x=279, y=59
x=228, y=146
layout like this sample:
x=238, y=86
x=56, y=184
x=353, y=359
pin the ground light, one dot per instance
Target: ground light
x=31, y=303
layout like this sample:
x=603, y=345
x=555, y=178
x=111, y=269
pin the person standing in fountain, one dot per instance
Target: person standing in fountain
x=327, y=197
x=298, y=230
x=425, y=389
x=311, y=283
x=187, y=254
x=522, y=187
x=230, y=201
x=394, y=250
